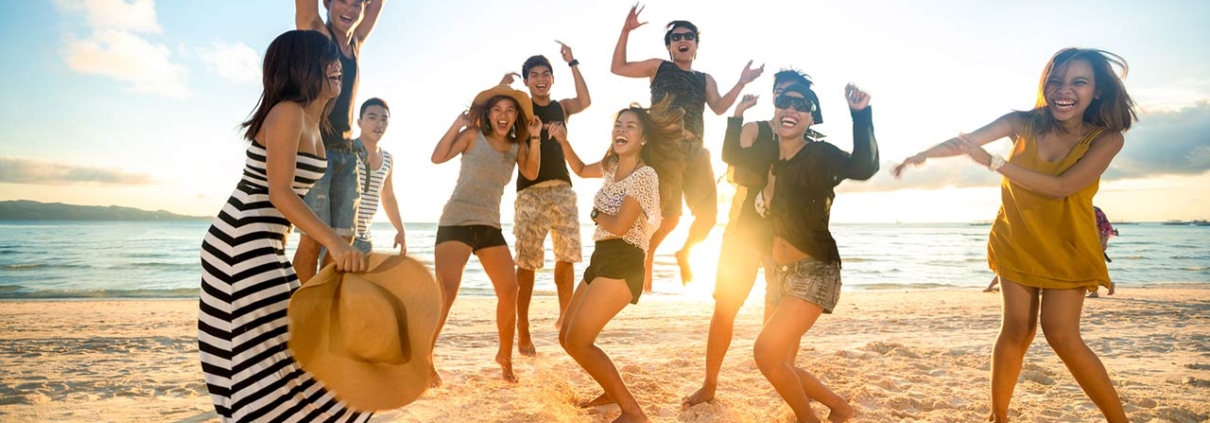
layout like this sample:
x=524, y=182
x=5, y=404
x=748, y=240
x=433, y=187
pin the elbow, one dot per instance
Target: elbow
x=616, y=69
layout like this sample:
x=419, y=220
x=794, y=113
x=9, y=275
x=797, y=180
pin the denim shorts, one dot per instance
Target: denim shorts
x=811, y=280
x=363, y=245
x=334, y=198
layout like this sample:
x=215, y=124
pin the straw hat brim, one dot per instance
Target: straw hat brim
x=364, y=385
x=520, y=97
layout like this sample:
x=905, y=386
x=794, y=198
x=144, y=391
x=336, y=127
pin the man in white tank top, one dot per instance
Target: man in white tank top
x=376, y=170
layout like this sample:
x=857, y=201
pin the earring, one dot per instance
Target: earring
x=513, y=132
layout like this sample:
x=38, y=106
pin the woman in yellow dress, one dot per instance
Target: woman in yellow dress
x=1044, y=244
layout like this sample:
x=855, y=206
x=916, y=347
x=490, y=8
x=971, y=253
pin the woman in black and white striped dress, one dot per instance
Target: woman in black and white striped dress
x=246, y=279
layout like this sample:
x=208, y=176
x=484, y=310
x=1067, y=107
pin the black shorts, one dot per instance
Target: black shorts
x=618, y=259
x=477, y=237
x=697, y=189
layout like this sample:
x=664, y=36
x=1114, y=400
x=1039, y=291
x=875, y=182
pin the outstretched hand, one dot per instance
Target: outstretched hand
x=632, y=19
x=858, y=100
x=749, y=74
x=916, y=160
x=565, y=51
x=509, y=78
x=746, y=102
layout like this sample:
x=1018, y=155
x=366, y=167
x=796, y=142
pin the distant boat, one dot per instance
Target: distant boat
x=1201, y=223
x=979, y=224
x=1177, y=223
x=1123, y=223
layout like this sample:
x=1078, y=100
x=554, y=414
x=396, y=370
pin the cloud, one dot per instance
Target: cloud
x=134, y=16
x=114, y=50
x=235, y=62
x=16, y=170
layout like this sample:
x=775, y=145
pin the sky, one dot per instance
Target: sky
x=137, y=102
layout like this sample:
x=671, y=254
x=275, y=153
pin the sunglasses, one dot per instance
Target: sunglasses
x=687, y=36
x=800, y=104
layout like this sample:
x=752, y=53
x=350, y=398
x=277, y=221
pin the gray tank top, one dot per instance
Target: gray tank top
x=476, y=197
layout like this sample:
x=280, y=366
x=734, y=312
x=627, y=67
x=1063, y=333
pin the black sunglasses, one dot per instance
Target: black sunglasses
x=800, y=104
x=687, y=36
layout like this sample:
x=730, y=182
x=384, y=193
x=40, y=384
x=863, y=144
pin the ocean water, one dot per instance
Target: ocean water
x=161, y=260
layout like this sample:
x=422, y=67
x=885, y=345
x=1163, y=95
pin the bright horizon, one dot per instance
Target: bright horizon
x=136, y=103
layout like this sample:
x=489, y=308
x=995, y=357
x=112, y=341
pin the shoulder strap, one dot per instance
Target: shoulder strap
x=1092, y=135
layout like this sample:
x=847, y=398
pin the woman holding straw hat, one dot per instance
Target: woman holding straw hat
x=488, y=137
x=642, y=162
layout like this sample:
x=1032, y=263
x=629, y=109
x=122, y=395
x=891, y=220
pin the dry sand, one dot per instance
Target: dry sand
x=897, y=355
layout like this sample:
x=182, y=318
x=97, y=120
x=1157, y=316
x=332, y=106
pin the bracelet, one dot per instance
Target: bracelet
x=996, y=163
x=573, y=63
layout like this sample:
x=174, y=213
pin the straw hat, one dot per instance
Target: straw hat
x=522, y=99
x=367, y=336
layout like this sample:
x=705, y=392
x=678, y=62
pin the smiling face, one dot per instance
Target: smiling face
x=501, y=114
x=331, y=87
x=792, y=115
x=539, y=79
x=682, y=44
x=628, y=137
x=345, y=15
x=374, y=122
x=1070, y=89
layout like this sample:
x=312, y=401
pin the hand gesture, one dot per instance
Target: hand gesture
x=916, y=160
x=347, y=258
x=746, y=102
x=558, y=132
x=463, y=120
x=401, y=241
x=857, y=99
x=509, y=78
x=535, y=127
x=565, y=51
x=632, y=19
x=975, y=152
x=749, y=74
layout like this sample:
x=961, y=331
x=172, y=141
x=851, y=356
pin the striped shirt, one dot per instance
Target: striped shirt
x=370, y=192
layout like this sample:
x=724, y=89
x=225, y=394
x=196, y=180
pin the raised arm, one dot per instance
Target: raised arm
x=368, y=19
x=1005, y=126
x=739, y=136
x=720, y=104
x=282, y=131
x=1086, y=171
x=391, y=205
x=306, y=16
x=621, y=67
x=863, y=161
x=582, y=100
x=529, y=155
x=558, y=132
x=455, y=141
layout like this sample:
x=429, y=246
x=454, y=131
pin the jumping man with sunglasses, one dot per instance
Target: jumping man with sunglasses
x=802, y=177
x=692, y=91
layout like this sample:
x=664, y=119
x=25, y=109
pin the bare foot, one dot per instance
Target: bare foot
x=631, y=418
x=435, y=379
x=1093, y=294
x=597, y=402
x=525, y=345
x=682, y=260
x=703, y=394
x=506, y=369
x=838, y=415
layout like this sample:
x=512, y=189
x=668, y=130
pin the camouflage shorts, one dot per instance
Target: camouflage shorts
x=540, y=210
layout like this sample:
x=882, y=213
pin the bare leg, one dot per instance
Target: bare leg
x=565, y=276
x=736, y=274
x=1019, y=324
x=1061, y=310
x=784, y=330
x=598, y=304
x=525, y=292
x=666, y=226
x=306, y=258
x=449, y=259
x=698, y=231
x=498, y=263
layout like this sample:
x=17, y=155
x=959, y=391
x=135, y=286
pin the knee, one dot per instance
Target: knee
x=767, y=357
x=574, y=344
x=1021, y=333
x=1062, y=338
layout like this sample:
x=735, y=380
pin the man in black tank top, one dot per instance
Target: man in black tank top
x=692, y=91
x=334, y=198
x=547, y=203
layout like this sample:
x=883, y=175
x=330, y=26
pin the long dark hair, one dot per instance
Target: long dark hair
x=295, y=69
x=482, y=116
x=663, y=128
x=1112, y=108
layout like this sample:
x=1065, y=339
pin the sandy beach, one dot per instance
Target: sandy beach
x=897, y=355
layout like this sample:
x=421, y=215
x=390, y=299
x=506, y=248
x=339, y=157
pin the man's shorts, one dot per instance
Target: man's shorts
x=542, y=209
x=697, y=188
x=813, y=281
x=335, y=196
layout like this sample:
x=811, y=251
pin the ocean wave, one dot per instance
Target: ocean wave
x=23, y=266
x=20, y=293
x=891, y=286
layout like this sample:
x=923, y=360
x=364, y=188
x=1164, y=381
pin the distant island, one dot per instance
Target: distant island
x=33, y=210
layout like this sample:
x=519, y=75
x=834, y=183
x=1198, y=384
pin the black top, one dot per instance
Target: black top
x=805, y=184
x=688, y=89
x=341, y=117
x=552, y=166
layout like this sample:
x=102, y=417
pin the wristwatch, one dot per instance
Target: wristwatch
x=996, y=163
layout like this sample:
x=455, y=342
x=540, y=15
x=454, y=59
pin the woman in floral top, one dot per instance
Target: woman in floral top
x=641, y=163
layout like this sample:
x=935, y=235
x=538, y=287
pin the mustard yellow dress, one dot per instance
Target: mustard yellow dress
x=1044, y=242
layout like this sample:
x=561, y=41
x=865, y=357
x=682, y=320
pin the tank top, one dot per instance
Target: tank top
x=553, y=167
x=341, y=117
x=371, y=192
x=1045, y=242
x=689, y=93
x=481, y=181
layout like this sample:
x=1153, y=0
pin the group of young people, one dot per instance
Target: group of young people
x=305, y=170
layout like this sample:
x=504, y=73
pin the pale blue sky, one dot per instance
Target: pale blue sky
x=149, y=120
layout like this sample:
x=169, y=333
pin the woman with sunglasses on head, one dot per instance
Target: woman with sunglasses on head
x=1044, y=245
x=803, y=175
x=641, y=165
